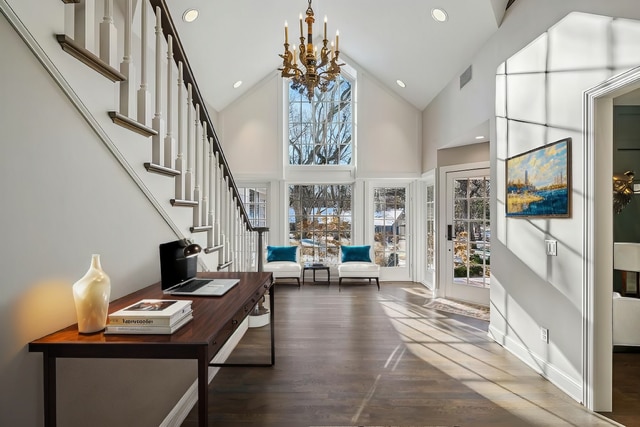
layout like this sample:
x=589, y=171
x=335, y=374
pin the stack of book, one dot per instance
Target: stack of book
x=150, y=316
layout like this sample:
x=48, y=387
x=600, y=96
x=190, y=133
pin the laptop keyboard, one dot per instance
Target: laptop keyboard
x=193, y=285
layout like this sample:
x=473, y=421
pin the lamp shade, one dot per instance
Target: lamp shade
x=192, y=249
x=626, y=256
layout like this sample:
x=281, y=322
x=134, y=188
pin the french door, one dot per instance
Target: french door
x=390, y=236
x=468, y=236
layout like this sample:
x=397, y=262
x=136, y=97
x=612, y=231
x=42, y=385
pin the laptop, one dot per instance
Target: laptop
x=202, y=287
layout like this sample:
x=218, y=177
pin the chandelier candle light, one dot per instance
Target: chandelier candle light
x=315, y=74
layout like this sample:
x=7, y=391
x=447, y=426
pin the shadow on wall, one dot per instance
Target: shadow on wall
x=539, y=93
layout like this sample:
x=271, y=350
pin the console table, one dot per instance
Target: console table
x=214, y=321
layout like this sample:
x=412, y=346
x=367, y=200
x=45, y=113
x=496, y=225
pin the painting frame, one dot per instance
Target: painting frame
x=538, y=182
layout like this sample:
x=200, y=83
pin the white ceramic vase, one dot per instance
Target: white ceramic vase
x=91, y=295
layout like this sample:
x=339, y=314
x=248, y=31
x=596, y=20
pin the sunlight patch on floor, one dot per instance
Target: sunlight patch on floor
x=467, y=355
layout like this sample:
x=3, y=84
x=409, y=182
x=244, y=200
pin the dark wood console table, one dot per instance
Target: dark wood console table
x=214, y=321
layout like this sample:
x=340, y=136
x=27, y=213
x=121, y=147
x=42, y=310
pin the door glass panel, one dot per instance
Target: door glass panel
x=460, y=250
x=460, y=188
x=390, y=248
x=460, y=209
x=472, y=233
x=431, y=227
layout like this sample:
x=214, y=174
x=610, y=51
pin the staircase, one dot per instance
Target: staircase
x=125, y=70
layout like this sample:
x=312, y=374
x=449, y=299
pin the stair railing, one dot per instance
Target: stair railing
x=203, y=179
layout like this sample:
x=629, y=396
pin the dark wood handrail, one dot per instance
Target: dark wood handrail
x=179, y=54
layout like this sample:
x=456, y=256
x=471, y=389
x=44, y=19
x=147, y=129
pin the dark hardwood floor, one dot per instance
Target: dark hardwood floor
x=626, y=387
x=362, y=357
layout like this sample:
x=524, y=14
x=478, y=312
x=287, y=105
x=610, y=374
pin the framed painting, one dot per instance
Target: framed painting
x=539, y=181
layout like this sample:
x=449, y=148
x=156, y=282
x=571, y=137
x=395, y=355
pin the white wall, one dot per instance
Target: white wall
x=250, y=131
x=529, y=289
x=455, y=111
x=388, y=132
x=64, y=198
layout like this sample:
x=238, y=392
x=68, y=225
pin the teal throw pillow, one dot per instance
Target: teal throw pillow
x=356, y=253
x=281, y=253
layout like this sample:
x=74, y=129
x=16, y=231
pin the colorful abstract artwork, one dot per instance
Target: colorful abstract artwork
x=538, y=182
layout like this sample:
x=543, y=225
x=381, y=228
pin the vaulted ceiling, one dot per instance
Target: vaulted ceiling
x=389, y=40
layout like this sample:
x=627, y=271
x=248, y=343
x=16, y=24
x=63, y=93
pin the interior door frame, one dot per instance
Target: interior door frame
x=598, y=231
x=442, y=244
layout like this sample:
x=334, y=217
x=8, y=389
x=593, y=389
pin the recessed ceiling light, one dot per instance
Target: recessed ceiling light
x=237, y=84
x=439, y=15
x=480, y=137
x=401, y=83
x=190, y=15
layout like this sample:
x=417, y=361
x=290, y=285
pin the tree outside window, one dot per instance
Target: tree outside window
x=320, y=220
x=320, y=131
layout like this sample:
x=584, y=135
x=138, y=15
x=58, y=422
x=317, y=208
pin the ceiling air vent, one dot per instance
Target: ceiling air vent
x=465, y=77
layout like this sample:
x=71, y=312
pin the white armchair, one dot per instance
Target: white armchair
x=356, y=263
x=283, y=262
x=626, y=318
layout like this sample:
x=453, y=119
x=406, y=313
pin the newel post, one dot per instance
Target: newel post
x=260, y=231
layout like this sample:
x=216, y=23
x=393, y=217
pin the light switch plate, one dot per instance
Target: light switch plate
x=552, y=247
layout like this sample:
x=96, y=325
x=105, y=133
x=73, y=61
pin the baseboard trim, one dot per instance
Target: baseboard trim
x=179, y=413
x=550, y=372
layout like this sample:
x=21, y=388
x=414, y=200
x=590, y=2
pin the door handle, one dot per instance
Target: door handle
x=449, y=232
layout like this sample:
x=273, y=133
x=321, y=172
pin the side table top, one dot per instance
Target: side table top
x=314, y=265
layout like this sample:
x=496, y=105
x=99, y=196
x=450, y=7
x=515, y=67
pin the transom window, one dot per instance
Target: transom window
x=320, y=132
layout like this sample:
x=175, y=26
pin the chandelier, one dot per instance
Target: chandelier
x=312, y=71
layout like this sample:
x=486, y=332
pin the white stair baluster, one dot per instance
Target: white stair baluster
x=212, y=184
x=144, y=112
x=179, y=166
x=204, y=212
x=108, y=36
x=169, y=141
x=196, y=170
x=188, y=176
x=225, y=213
x=229, y=220
x=127, y=67
x=84, y=24
x=202, y=166
x=158, y=123
x=218, y=202
x=234, y=254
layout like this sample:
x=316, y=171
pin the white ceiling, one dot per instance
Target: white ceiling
x=240, y=40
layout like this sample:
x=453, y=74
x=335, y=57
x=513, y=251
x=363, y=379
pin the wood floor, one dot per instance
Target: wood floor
x=362, y=357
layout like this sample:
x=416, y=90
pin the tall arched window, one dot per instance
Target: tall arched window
x=321, y=136
x=321, y=130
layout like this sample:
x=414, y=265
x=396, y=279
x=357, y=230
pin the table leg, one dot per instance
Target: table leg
x=49, y=389
x=203, y=385
x=272, y=306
